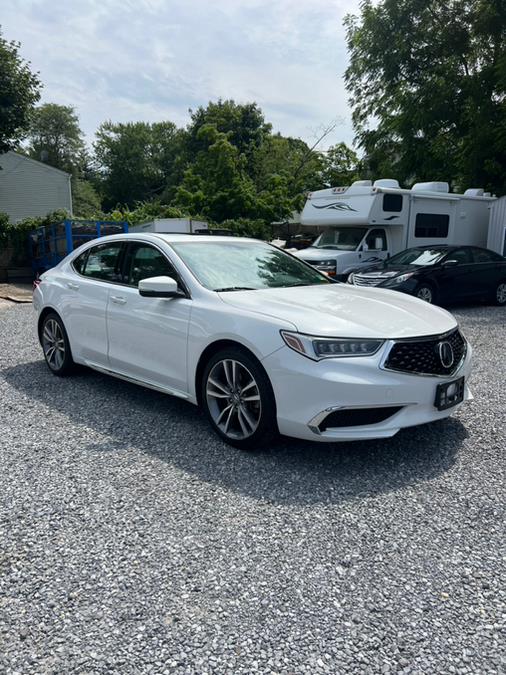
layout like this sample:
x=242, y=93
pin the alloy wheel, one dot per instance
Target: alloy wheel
x=500, y=293
x=233, y=399
x=425, y=293
x=53, y=344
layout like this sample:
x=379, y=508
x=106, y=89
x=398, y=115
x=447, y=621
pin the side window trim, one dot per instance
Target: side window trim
x=87, y=253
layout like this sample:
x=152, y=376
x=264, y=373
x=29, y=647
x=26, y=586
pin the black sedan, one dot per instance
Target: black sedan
x=440, y=274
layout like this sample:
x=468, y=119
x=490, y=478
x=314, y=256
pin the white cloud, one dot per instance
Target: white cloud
x=153, y=59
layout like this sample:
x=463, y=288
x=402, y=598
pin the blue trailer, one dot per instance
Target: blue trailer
x=51, y=243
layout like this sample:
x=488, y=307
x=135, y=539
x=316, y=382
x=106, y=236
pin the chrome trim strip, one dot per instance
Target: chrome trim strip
x=315, y=422
x=142, y=383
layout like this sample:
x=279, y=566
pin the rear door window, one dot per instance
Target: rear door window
x=481, y=255
x=104, y=262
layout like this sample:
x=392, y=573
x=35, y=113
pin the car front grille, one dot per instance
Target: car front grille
x=363, y=280
x=423, y=356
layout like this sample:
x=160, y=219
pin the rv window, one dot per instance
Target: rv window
x=392, y=202
x=431, y=225
x=372, y=240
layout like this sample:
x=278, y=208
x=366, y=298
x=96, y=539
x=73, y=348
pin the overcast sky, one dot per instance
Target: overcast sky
x=151, y=60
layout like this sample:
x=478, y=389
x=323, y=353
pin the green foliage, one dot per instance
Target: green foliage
x=243, y=124
x=247, y=227
x=428, y=88
x=145, y=211
x=85, y=199
x=19, y=91
x=340, y=166
x=16, y=234
x=137, y=160
x=217, y=184
x=55, y=137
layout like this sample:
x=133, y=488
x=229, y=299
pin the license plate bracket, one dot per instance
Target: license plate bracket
x=449, y=394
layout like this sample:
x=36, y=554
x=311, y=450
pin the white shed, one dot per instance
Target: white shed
x=29, y=188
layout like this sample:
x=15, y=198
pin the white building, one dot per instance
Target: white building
x=29, y=188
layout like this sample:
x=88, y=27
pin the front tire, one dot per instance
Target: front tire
x=56, y=346
x=238, y=399
x=500, y=294
x=426, y=293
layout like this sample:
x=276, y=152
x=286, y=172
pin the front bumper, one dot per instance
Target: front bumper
x=306, y=391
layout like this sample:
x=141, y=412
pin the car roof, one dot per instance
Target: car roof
x=172, y=238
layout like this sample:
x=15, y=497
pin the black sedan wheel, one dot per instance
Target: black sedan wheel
x=55, y=345
x=426, y=292
x=238, y=399
x=500, y=294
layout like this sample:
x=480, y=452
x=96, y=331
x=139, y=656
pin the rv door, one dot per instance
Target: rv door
x=374, y=247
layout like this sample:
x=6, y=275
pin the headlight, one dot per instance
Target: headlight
x=349, y=280
x=326, y=266
x=401, y=279
x=317, y=348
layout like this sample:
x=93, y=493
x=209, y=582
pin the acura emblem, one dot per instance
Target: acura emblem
x=446, y=355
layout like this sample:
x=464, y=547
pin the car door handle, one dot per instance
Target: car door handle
x=118, y=299
x=73, y=286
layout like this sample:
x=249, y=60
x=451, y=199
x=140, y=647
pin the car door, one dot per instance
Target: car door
x=85, y=299
x=148, y=336
x=487, y=271
x=374, y=248
x=455, y=275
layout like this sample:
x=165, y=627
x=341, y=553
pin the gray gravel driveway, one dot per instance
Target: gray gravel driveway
x=133, y=541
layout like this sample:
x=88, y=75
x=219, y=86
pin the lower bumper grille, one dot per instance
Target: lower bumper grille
x=439, y=355
x=357, y=417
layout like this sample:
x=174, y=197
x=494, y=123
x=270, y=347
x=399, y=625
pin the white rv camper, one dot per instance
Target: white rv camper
x=365, y=223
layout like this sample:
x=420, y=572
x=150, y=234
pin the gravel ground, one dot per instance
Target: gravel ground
x=133, y=541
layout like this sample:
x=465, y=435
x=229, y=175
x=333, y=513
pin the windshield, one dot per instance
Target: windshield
x=245, y=265
x=417, y=256
x=341, y=238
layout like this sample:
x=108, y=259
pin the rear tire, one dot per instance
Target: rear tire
x=426, y=293
x=500, y=294
x=56, y=346
x=237, y=397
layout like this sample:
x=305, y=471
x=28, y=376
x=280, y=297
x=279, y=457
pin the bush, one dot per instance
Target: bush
x=16, y=234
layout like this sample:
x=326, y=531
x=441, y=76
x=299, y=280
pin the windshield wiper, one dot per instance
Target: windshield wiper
x=234, y=288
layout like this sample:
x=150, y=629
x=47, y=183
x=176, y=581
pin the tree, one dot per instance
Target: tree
x=85, y=199
x=56, y=138
x=19, y=91
x=340, y=166
x=217, y=184
x=137, y=161
x=243, y=124
x=428, y=89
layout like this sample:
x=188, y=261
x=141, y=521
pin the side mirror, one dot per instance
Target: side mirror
x=378, y=244
x=159, y=287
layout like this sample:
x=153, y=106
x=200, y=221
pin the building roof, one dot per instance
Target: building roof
x=22, y=158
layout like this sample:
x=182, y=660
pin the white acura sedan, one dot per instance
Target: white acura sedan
x=258, y=338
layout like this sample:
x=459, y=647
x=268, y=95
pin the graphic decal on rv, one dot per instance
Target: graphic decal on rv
x=391, y=217
x=337, y=206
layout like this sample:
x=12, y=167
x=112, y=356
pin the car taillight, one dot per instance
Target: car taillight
x=36, y=283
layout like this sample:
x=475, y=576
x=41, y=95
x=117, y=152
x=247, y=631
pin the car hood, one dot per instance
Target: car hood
x=342, y=310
